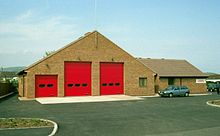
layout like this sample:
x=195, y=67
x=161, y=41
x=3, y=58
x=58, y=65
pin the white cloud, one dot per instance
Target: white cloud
x=40, y=31
x=25, y=38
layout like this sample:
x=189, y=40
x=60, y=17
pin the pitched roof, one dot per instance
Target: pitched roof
x=41, y=60
x=24, y=71
x=172, y=68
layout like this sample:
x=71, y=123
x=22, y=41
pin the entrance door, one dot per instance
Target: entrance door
x=77, y=78
x=111, y=78
x=46, y=86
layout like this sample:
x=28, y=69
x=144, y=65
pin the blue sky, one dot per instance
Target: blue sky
x=173, y=29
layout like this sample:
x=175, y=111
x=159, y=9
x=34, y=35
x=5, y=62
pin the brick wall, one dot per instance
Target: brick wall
x=189, y=82
x=193, y=86
x=163, y=83
x=93, y=48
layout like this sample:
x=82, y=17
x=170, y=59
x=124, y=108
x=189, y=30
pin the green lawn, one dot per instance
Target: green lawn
x=23, y=123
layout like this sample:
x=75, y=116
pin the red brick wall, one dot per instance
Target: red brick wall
x=94, y=48
x=189, y=82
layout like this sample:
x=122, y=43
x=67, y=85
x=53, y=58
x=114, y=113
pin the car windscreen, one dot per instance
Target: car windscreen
x=169, y=88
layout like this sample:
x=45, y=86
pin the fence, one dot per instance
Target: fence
x=6, y=88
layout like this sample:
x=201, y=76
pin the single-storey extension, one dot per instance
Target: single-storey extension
x=92, y=66
x=176, y=72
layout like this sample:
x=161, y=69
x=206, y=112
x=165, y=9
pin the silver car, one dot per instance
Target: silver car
x=175, y=91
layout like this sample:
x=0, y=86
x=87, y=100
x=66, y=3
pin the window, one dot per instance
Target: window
x=184, y=87
x=104, y=84
x=176, y=88
x=49, y=85
x=117, y=84
x=170, y=81
x=142, y=82
x=84, y=84
x=41, y=85
x=77, y=85
x=111, y=84
x=70, y=85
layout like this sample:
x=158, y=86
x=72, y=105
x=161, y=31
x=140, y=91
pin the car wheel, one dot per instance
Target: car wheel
x=170, y=95
x=186, y=94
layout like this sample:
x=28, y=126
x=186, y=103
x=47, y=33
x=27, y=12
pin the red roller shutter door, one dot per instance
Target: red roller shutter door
x=111, y=78
x=45, y=86
x=77, y=78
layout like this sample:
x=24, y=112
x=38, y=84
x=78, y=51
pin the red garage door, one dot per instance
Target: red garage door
x=46, y=86
x=77, y=78
x=111, y=78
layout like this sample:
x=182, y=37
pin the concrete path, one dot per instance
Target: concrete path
x=83, y=99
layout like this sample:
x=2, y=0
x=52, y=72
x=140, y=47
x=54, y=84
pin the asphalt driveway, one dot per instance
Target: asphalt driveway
x=177, y=116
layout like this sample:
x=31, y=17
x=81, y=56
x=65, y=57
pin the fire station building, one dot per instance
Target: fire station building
x=90, y=66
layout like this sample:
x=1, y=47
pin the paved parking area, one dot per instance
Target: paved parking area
x=178, y=116
x=26, y=132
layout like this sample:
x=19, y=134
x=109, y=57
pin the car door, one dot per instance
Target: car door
x=176, y=91
x=184, y=90
x=181, y=90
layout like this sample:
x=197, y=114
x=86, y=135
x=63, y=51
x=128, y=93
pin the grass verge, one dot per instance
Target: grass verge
x=23, y=123
x=216, y=102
